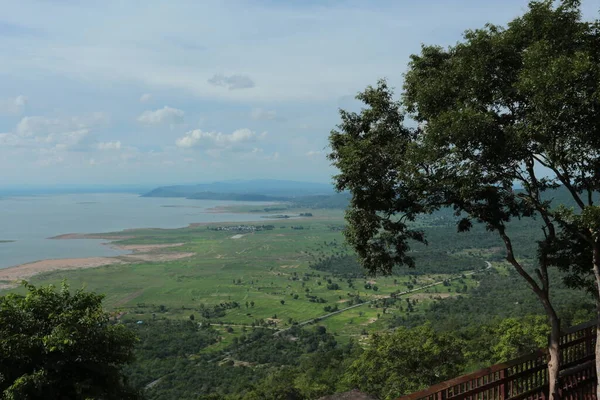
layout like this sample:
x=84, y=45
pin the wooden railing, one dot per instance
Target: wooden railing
x=527, y=377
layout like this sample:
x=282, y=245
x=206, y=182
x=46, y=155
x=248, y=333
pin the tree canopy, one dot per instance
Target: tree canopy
x=508, y=107
x=406, y=361
x=60, y=344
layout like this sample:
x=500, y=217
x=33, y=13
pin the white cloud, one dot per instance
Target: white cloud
x=116, y=145
x=232, y=82
x=13, y=106
x=58, y=133
x=261, y=114
x=9, y=139
x=165, y=115
x=20, y=101
x=145, y=98
x=314, y=153
x=74, y=140
x=41, y=125
x=218, y=140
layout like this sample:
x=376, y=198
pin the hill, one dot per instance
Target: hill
x=265, y=187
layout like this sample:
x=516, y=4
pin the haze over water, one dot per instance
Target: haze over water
x=31, y=220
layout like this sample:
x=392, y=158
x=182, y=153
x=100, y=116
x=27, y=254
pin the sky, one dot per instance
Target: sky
x=157, y=92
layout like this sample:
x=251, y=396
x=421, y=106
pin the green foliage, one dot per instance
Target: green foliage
x=519, y=337
x=59, y=344
x=490, y=111
x=367, y=149
x=405, y=361
x=169, y=357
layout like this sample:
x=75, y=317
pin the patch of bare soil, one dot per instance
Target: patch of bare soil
x=444, y=295
x=127, y=299
x=155, y=257
x=237, y=363
x=140, y=248
x=28, y=270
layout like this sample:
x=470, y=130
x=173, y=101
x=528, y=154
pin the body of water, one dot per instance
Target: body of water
x=30, y=220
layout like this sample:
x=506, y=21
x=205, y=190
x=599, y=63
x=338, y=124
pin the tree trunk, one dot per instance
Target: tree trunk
x=553, y=351
x=596, y=261
x=597, y=349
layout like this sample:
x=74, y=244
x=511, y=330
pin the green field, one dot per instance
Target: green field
x=260, y=277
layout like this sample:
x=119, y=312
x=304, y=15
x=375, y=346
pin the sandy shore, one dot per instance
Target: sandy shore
x=156, y=257
x=25, y=271
x=141, y=248
x=141, y=253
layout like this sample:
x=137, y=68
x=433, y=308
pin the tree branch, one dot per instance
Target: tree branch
x=510, y=257
x=563, y=179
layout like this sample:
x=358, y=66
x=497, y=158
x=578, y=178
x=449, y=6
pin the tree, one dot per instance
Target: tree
x=491, y=110
x=405, y=361
x=517, y=337
x=276, y=387
x=57, y=344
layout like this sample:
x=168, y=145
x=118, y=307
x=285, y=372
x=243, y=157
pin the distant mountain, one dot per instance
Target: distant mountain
x=263, y=187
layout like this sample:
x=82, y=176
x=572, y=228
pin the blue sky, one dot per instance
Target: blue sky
x=148, y=92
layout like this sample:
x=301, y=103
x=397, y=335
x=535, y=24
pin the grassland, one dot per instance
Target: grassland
x=265, y=273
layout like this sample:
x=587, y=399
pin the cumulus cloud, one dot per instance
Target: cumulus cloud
x=13, y=106
x=74, y=140
x=116, y=145
x=58, y=133
x=145, y=98
x=217, y=140
x=41, y=125
x=165, y=115
x=261, y=114
x=9, y=139
x=232, y=82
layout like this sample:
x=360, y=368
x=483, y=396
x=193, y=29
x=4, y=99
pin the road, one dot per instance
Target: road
x=331, y=314
x=458, y=276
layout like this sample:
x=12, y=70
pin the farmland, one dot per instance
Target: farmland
x=243, y=277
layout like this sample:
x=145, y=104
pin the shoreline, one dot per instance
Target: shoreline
x=10, y=277
x=101, y=236
x=13, y=275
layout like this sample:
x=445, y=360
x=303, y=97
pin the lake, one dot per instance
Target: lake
x=31, y=220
